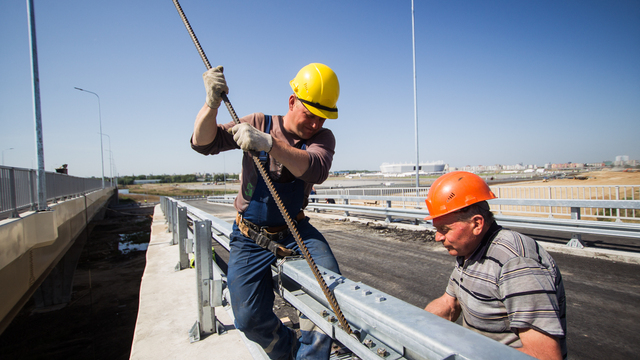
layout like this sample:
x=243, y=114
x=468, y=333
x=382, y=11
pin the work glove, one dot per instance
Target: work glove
x=215, y=84
x=250, y=138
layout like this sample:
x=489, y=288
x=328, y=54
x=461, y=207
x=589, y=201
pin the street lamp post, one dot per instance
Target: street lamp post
x=110, y=167
x=100, y=119
x=110, y=158
x=35, y=77
x=3, y=154
x=415, y=98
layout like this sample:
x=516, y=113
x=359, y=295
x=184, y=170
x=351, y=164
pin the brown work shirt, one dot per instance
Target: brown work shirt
x=320, y=148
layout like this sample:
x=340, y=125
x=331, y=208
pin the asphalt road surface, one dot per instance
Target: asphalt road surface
x=603, y=297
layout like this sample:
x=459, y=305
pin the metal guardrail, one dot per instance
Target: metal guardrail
x=575, y=226
x=388, y=328
x=18, y=189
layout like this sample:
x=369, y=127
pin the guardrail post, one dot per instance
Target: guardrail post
x=346, y=202
x=175, y=239
x=32, y=193
x=182, y=238
x=618, y=210
x=207, y=287
x=388, y=218
x=550, y=207
x=576, y=238
x=169, y=216
x=12, y=195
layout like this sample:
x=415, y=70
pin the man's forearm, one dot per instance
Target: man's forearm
x=446, y=307
x=296, y=160
x=205, y=127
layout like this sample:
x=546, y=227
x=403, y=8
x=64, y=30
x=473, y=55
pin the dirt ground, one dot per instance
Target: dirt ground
x=99, y=321
x=605, y=177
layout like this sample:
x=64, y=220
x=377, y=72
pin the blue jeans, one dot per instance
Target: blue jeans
x=251, y=290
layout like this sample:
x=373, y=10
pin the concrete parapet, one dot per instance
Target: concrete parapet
x=33, y=244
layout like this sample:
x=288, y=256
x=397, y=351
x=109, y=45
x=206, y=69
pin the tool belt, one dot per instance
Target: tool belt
x=267, y=237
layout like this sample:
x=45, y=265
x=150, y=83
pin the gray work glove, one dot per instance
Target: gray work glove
x=250, y=138
x=215, y=84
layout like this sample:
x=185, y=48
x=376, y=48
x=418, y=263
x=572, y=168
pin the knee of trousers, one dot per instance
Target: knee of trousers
x=254, y=317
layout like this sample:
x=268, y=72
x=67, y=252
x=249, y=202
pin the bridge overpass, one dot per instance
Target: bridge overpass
x=39, y=250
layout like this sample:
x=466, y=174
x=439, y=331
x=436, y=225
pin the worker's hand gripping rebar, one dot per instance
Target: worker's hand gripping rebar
x=303, y=248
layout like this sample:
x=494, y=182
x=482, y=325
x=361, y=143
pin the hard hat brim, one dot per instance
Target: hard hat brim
x=321, y=113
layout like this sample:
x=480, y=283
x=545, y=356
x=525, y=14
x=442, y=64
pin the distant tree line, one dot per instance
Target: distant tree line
x=128, y=180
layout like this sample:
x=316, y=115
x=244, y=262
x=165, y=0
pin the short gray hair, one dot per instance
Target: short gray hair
x=480, y=208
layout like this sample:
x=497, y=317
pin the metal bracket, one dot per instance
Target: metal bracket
x=576, y=242
x=194, y=333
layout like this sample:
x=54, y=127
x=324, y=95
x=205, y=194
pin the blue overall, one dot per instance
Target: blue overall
x=249, y=274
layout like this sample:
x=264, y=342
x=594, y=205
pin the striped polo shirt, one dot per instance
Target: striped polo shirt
x=510, y=282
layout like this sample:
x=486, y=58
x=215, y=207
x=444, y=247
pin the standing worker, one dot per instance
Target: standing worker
x=506, y=286
x=297, y=152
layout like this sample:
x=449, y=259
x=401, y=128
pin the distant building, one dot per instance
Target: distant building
x=621, y=160
x=425, y=168
x=596, y=165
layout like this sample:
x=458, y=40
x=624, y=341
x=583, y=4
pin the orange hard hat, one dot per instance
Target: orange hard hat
x=454, y=191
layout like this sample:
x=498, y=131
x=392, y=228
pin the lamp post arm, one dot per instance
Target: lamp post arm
x=100, y=119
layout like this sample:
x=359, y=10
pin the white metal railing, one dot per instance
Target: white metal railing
x=576, y=192
x=387, y=327
x=591, y=192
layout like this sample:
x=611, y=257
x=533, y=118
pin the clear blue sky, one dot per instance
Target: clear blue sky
x=498, y=81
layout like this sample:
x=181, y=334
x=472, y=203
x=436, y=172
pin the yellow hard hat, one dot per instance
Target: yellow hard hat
x=317, y=87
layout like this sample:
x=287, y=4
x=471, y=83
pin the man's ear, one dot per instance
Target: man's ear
x=292, y=102
x=478, y=224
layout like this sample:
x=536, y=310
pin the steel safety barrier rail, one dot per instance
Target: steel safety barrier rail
x=387, y=327
x=19, y=191
x=575, y=226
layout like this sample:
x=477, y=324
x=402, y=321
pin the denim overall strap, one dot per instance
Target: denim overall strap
x=263, y=156
x=262, y=209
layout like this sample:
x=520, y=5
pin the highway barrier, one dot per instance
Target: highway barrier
x=391, y=207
